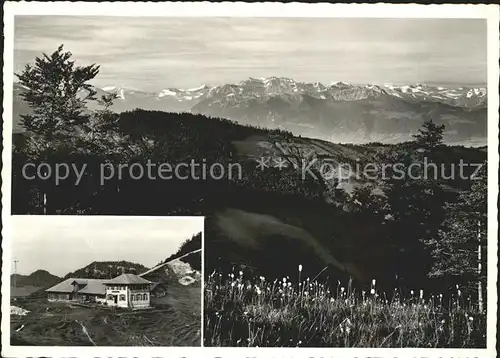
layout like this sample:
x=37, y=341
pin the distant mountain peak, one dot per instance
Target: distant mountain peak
x=195, y=89
x=255, y=88
x=340, y=83
x=40, y=271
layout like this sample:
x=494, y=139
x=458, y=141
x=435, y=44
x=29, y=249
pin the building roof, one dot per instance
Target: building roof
x=92, y=286
x=127, y=279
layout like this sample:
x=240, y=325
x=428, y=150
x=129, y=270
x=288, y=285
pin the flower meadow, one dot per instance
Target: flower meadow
x=255, y=312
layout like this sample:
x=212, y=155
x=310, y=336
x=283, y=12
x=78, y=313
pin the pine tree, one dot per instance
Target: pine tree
x=57, y=91
x=430, y=135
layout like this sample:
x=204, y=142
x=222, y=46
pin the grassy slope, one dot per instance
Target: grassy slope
x=174, y=321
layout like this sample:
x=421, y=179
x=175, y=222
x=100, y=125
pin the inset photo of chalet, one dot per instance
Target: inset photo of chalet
x=106, y=281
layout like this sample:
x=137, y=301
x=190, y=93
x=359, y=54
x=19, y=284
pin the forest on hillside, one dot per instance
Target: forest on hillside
x=107, y=269
x=189, y=245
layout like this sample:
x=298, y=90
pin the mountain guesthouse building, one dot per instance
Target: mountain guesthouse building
x=127, y=291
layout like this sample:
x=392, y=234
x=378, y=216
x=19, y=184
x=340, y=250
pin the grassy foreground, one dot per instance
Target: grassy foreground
x=257, y=313
x=175, y=320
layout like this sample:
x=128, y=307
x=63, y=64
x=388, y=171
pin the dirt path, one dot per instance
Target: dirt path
x=84, y=329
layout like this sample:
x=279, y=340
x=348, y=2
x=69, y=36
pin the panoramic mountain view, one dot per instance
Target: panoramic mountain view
x=154, y=306
x=338, y=112
x=343, y=182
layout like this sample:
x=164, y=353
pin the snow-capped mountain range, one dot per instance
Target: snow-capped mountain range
x=340, y=91
x=338, y=112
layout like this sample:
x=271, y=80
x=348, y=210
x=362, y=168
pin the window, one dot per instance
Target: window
x=145, y=296
x=122, y=297
x=110, y=297
x=132, y=297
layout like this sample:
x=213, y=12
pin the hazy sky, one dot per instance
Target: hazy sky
x=61, y=244
x=156, y=53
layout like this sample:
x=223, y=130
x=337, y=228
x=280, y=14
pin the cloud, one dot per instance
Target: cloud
x=154, y=53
